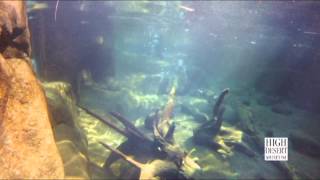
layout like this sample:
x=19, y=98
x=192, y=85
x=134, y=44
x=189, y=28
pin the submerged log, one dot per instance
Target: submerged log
x=161, y=156
x=208, y=130
x=163, y=129
x=157, y=168
x=137, y=144
x=213, y=135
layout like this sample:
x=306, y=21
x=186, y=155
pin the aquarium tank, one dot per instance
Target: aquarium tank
x=180, y=89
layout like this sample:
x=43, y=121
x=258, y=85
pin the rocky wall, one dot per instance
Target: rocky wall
x=27, y=146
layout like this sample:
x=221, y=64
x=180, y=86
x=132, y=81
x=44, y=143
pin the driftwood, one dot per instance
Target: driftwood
x=205, y=133
x=151, y=170
x=210, y=133
x=163, y=130
x=156, y=156
x=139, y=145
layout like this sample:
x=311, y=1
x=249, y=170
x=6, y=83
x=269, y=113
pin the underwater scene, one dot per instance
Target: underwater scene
x=181, y=89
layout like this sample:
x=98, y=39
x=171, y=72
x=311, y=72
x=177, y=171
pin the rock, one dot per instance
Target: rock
x=14, y=31
x=75, y=163
x=61, y=103
x=305, y=144
x=28, y=149
x=27, y=146
x=281, y=109
x=71, y=141
x=64, y=132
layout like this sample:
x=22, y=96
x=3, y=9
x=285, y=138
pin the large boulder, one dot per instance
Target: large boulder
x=27, y=146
